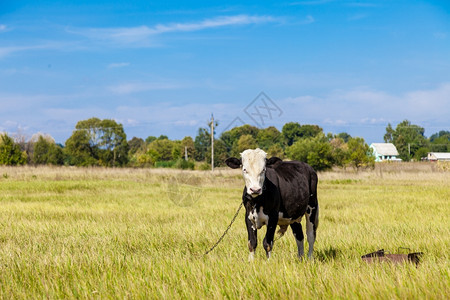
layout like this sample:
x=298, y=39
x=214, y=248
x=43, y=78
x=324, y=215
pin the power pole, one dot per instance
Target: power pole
x=212, y=142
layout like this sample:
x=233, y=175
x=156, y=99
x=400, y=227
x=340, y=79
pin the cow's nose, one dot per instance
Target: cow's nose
x=255, y=190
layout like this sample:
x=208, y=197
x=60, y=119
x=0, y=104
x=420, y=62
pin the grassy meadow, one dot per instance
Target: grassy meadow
x=141, y=233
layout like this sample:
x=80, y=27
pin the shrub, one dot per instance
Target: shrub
x=316, y=151
x=10, y=153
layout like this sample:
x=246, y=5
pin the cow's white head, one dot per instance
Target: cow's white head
x=253, y=164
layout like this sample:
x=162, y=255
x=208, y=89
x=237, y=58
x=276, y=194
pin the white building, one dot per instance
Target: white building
x=384, y=152
x=435, y=156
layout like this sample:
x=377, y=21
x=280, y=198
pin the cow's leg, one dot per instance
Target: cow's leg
x=312, y=221
x=299, y=238
x=312, y=215
x=252, y=237
x=268, y=239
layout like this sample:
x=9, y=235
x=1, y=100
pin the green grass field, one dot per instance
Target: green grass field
x=124, y=233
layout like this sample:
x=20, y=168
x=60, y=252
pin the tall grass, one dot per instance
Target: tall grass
x=125, y=233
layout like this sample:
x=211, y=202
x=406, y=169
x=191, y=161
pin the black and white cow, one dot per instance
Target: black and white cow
x=277, y=193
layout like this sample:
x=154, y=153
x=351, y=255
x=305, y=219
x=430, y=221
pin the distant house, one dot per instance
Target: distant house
x=435, y=156
x=385, y=152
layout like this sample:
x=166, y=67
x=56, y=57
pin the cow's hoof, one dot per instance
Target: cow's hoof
x=251, y=256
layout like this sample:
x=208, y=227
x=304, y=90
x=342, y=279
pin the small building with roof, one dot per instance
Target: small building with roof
x=385, y=152
x=438, y=156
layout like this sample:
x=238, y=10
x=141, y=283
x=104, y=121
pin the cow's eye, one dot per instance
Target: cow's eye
x=244, y=170
x=263, y=171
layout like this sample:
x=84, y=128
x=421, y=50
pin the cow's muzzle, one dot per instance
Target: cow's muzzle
x=254, y=192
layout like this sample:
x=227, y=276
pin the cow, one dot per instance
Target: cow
x=279, y=193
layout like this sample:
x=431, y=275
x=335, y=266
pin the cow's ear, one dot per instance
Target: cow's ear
x=233, y=162
x=273, y=161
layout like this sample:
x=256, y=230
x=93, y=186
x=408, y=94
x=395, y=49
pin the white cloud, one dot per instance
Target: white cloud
x=440, y=35
x=118, y=65
x=367, y=106
x=357, y=17
x=311, y=2
x=137, y=87
x=5, y=51
x=362, y=4
x=308, y=20
x=129, y=35
x=212, y=23
x=335, y=122
x=19, y=102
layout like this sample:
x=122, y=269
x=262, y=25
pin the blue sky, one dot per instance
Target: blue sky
x=164, y=67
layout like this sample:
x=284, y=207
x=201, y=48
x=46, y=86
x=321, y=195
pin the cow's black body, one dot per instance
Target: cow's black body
x=289, y=188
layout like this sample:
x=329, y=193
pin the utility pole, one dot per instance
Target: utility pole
x=212, y=142
x=185, y=153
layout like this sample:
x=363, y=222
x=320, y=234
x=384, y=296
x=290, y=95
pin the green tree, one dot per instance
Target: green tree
x=275, y=150
x=113, y=143
x=161, y=150
x=98, y=142
x=440, y=134
x=231, y=137
x=152, y=156
x=360, y=155
x=137, y=153
x=220, y=153
x=344, y=136
x=150, y=139
x=187, y=143
x=201, y=143
x=177, y=153
x=389, y=135
x=10, y=153
x=440, y=142
x=307, y=131
x=47, y=152
x=339, y=149
x=291, y=132
x=245, y=142
x=408, y=138
x=268, y=137
x=79, y=150
x=421, y=153
x=136, y=145
x=315, y=151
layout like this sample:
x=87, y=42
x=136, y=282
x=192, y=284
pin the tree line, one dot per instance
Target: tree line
x=411, y=143
x=96, y=142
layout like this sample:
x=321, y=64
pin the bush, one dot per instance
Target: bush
x=47, y=152
x=164, y=164
x=317, y=152
x=176, y=164
x=204, y=167
x=360, y=155
x=184, y=164
x=10, y=153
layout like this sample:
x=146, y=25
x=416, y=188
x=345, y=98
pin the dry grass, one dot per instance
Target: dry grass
x=125, y=233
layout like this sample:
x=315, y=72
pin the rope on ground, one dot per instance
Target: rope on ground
x=226, y=231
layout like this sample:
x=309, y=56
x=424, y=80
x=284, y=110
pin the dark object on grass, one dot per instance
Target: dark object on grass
x=382, y=255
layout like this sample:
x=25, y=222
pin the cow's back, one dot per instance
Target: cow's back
x=296, y=181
